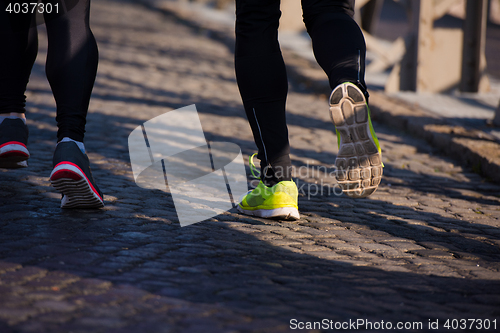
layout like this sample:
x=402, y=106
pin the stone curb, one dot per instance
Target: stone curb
x=468, y=146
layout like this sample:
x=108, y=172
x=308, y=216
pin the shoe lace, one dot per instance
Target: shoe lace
x=253, y=168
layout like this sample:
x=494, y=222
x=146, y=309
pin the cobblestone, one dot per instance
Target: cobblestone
x=424, y=246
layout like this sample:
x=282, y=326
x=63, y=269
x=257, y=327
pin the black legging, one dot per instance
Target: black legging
x=339, y=48
x=71, y=64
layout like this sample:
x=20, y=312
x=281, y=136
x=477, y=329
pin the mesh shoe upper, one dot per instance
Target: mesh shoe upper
x=13, y=130
x=283, y=194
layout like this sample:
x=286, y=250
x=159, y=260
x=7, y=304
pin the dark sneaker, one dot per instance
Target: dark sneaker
x=13, y=141
x=359, y=161
x=72, y=177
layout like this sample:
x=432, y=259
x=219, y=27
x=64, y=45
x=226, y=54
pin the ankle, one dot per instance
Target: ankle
x=78, y=143
x=13, y=115
x=272, y=175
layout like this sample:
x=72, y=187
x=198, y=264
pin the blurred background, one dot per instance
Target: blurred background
x=439, y=54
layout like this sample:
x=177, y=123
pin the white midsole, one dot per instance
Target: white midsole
x=272, y=213
x=14, y=147
x=69, y=167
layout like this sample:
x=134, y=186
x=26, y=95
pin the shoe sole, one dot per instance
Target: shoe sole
x=13, y=155
x=72, y=182
x=359, y=164
x=283, y=213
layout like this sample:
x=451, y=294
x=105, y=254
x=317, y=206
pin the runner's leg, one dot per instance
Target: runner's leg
x=19, y=50
x=71, y=65
x=338, y=43
x=262, y=80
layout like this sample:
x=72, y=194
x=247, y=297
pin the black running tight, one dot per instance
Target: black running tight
x=338, y=46
x=71, y=64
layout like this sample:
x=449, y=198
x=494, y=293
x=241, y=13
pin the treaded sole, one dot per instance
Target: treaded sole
x=283, y=213
x=77, y=193
x=359, y=164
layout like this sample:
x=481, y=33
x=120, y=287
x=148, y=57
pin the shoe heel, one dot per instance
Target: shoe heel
x=76, y=189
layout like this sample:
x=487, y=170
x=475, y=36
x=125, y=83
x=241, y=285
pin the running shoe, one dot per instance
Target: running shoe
x=72, y=177
x=13, y=141
x=276, y=202
x=359, y=161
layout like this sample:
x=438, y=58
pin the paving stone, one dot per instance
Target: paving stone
x=8, y=267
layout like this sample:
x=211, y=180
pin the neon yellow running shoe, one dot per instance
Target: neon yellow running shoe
x=359, y=161
x=276, y=202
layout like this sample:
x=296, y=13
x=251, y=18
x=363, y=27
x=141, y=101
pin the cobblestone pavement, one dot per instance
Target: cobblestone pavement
x=424, y=246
